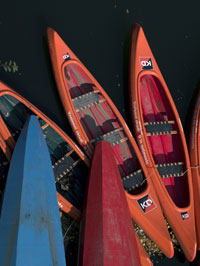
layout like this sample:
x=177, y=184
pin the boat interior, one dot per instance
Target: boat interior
x=164, y=138
x=100, y=123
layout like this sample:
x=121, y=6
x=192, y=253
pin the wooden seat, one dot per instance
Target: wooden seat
x=160, y=128
x=44, y=126
x=170, y=169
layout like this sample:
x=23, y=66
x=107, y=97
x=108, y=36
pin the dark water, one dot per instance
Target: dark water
x=98, y=32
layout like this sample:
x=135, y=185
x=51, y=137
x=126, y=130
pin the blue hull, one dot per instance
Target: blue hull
x=30, y=229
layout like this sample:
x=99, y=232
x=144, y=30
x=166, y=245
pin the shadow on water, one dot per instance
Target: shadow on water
x=126, y=73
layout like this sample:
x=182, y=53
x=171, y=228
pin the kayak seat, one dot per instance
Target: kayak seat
x=113, y=137
x=170, y=169
x=64, y=165
x=136, y=179
x=87, y=100
x=159, y=128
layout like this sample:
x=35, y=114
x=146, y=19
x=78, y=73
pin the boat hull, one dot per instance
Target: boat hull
x=30, y=226
x=161, y=140
x=94, y=117
x=109, y=243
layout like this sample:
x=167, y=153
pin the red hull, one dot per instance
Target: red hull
x=107, y=230
x=94, y=117
x=162, y=142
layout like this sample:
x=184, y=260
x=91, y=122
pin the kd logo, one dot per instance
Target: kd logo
x=66, y=56
x=146, y=204
x=146, y=63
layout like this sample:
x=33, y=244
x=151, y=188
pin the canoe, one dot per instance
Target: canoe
x=108, y=236
x=30, y=226
x=162, y=142
x=194, y=148
x=68, y=161
x=94, y=117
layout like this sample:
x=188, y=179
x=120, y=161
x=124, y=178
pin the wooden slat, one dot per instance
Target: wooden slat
x=45, y=126
x=159, y=122
x=162, y=133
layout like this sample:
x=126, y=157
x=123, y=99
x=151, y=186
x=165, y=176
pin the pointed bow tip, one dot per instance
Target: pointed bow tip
x=170, y=254
x=103, y=144
x=50, y=32
x=137, y=28
x=32, y=120
x=192, y=256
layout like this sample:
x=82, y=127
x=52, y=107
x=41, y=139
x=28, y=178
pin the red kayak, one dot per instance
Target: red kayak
x=108, y=237
x=195, y=162
x=94, y=117
x=162, y=142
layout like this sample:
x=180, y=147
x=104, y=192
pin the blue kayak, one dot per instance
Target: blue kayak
x=30, y=228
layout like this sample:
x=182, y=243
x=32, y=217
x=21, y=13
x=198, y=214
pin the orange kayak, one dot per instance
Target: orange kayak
x=68, y=161
x=94, y=117
x=195, y=162
x=144, y=259
x=162, y=142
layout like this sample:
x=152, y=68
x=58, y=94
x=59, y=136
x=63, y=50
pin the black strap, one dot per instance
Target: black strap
x=170, y=169
x=86, y=100
x=133, y=180
x=159, y=127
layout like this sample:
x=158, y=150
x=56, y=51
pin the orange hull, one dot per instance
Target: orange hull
x=145, y=260
x=195, y=162
x=162, y=142
x=8, y=142
x=94, y=117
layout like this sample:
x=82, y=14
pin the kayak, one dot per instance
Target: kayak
x=108, y=236
x=30, y=226
x=93, y=118
x=161, y=139
x=68, y=161
x=194, y=149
